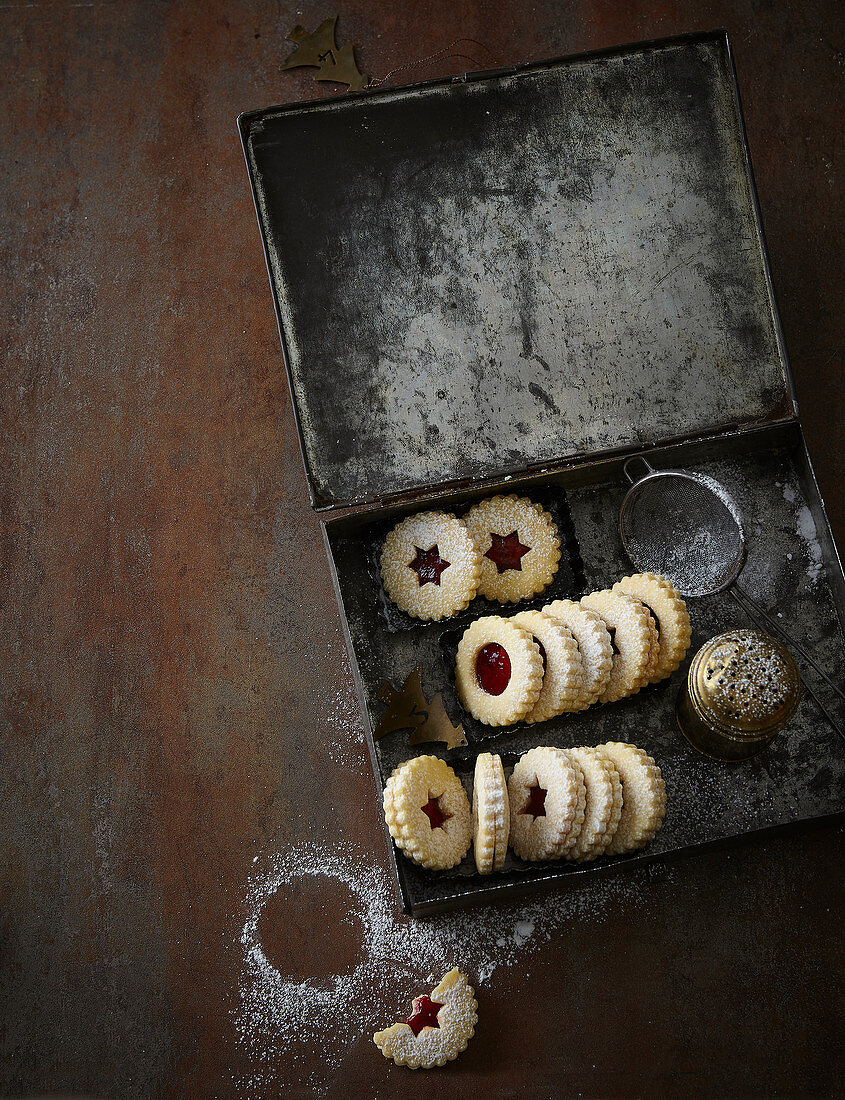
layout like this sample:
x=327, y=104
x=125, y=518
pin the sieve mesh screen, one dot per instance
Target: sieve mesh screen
x=678, y=525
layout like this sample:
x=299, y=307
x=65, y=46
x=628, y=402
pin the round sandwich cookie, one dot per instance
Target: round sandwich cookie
x=428, y=813
x=430, y=566
x=498, y=671
x=603, y=807
x=490, y=814
x=563, y=673
x=437, y=1030
x=590, y=632
x=669, y=611
x=547, y=797
x=634, y=639
x=643, y=797
x=519, y=546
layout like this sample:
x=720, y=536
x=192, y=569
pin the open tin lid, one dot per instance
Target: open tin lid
x=481, y=276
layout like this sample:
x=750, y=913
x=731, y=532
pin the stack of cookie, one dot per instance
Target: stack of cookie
x=539, y=664
x=574, y=804
x=506, y=548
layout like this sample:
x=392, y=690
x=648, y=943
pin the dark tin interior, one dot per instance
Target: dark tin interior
x=792, y=569
x=516, y=301
x=480, y=277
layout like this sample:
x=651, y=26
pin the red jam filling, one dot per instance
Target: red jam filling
x=435, y=815
x=536, y=804
x=542, y=654
x=651, y=611
x=424, y=1014
x=493, y=668
x=507, y=551
x=428, y=565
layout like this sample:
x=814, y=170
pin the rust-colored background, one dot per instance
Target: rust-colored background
x=170, y=648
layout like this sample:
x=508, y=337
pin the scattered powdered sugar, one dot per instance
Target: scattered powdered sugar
x=523, y=932
x=807, y=531
x=344, y=738
x=278, y=1018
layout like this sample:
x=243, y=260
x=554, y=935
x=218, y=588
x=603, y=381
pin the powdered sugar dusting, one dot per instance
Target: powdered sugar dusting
x=279, y=1019
x=807, y=531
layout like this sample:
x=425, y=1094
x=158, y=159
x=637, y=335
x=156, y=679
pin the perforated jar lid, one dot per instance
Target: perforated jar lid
x=744, y=683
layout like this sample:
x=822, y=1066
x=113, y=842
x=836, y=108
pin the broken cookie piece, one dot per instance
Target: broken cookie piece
x=437, y=1030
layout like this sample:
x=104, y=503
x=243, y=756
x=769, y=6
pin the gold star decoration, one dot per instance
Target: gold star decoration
x=409, y=709
x=321, y=51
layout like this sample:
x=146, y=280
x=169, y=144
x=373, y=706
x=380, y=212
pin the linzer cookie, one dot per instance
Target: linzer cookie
x=547, y=796
x=437, y=1030
x=643, y=797
x=563, y=674
x=428, y=813
x=490, y=814
x=498, y=671
x=519, y=546
x=670, y=615
x=603, y=807
x=430, y=566
x=634, y=638
x=590, y=632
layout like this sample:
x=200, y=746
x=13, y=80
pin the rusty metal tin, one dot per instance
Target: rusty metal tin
x=741, y=690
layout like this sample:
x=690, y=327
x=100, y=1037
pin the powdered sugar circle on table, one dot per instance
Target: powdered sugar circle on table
x=277, y=1016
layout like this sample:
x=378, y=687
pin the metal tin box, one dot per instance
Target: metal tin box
x=518, y=280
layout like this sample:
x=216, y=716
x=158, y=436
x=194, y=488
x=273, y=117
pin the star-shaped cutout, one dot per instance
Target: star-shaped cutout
x=428, y=565
x=434, y=813
x=536, y=805
x=507, y=551
x=424, y=1014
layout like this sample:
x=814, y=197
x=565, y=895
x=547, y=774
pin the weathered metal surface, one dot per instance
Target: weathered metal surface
x=476, y=278
x=172, y=673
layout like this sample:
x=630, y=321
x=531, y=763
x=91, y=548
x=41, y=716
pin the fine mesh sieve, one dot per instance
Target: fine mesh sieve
x=683, y=526
x=686, y=527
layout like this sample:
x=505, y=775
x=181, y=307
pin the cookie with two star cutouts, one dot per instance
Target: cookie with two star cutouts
x=428, y=813
x=430, y=565
x=547, y=798
x=519, y=546
x=438, y=1029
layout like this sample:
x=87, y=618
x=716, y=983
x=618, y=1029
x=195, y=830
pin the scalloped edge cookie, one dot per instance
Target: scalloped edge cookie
x=458, y=583
x=491, y=817
x=553, y=834
x=563, y=677
x=590, y=632
x=435, y=1046
x=643, y=797
x=670, y=615
x=634, y=641
x=526, y=681
x=411, y=786
x=604, y=804
x=535, y=528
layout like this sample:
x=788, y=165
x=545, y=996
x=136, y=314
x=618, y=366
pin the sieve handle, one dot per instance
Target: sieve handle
x=631, y=461
x=756, y=613
x=787, y=637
